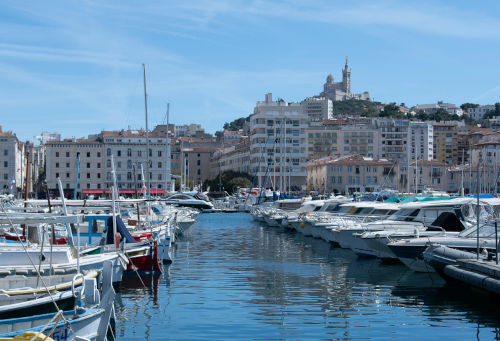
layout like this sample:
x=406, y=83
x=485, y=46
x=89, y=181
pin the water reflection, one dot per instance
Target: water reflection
x=233, y=279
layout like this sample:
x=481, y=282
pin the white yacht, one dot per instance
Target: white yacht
x=188, y=200
x=424, y=218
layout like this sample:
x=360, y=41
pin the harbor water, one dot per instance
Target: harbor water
x=235, y=279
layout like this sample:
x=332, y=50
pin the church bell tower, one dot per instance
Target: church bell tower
x=346, y=78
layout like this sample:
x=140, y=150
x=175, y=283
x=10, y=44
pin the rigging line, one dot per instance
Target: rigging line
x=32, y=263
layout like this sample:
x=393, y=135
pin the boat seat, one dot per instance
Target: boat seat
x=21, y=271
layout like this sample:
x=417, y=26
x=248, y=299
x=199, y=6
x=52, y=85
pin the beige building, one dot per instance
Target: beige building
x=360, y=139
x=322, y=141
x=126, y=148
x=350, y=173
x=12, y=163
x=445, y=143
x=430, y=174
x=235, y=158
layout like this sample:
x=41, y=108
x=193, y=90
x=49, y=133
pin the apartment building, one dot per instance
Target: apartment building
x=127, y=149
x=323, y=141
x=394, y=136
x=278, y=149
x=363, y=139
x=445, y=143
x=235, y=158
x=317, y=110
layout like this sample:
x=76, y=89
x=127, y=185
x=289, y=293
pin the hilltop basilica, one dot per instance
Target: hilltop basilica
x=341, y=91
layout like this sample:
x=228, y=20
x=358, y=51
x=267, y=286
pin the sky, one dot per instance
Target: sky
x=76, y=67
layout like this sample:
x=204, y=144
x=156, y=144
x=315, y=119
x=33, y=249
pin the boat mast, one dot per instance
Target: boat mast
x=169, y=170
x=462, y=191
x=147, y=132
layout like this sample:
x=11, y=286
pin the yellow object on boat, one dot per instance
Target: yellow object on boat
x=28, y=336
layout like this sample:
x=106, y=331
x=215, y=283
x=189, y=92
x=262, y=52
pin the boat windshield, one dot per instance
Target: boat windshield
x=331, y=208
x=347, y=209
x=380, y=212
x=363, y=211
x=485, y=231
x=405, y=215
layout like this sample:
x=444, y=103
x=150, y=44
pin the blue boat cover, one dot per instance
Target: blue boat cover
x=121, y=229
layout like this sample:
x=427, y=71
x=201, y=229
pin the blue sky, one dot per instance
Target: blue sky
x=75, y=67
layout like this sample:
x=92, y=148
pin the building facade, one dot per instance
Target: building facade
x=479, y=112
x=278, y=144
x=349, y=174
x=12, y=163
x=93, y=159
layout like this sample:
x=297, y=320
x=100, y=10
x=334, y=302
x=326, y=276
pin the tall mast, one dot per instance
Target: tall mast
x=169, y=170
x=147, y=132
x=462, y=191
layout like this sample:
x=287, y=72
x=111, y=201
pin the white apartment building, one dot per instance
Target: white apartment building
x=451, y=108
x=45, y=137
x=478, y=113
x=278, y=144
x=422, y=140
x=317, y=110
x=11, y=163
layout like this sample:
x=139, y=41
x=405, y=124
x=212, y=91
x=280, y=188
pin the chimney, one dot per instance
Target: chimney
x=269, y=97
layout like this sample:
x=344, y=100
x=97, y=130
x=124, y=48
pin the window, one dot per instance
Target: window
x=198, y=162
x=88, y=154
x=198, y=171
x=57, y=175
x=129, y=152
x=67, y=154
x=67, y=164
x=159, y=176
x=108, y=152
x=159, y=164
x=150, y=152
x=57, y=154
x=119, y=153
x=108, y=163
x=139, y=153
x=98, y=154
x=88, y=164
x=99, y=185
x=119, y=164
x=129, y=176
x=67, y=175
x=6, y=152
x=98, y=165
x=57, y=164
x=88, y=186
x=159, y=153
x=88, y=175
x=129, y=164
x=98, y=175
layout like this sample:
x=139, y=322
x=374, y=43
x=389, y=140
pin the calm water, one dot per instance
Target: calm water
x=233, y=279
